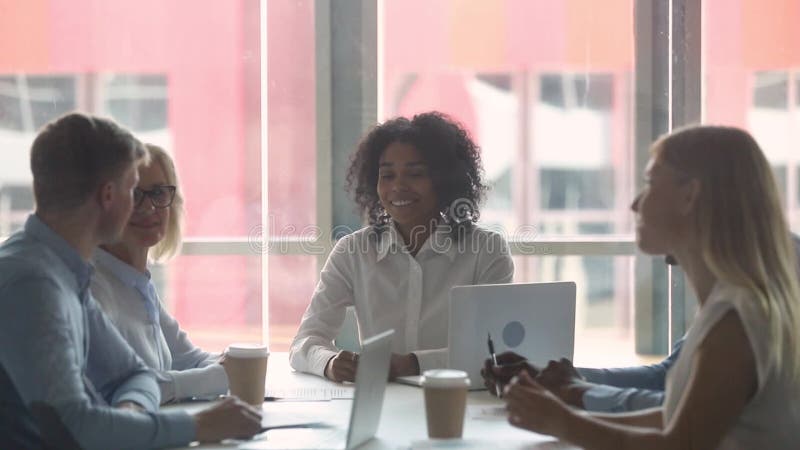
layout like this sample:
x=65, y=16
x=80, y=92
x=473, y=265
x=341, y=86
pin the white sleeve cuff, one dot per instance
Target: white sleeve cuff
x=431, y=359
x=202, y=382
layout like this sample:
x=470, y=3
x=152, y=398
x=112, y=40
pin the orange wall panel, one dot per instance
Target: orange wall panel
x=600, y=34
x=26, y=22
x=771, y=34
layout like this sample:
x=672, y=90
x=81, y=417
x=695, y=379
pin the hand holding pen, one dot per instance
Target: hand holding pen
x=497, y=388
x=499, y=370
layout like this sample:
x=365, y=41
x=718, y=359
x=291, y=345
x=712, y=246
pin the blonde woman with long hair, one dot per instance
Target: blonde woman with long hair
x=709, y=201
x=123, y=288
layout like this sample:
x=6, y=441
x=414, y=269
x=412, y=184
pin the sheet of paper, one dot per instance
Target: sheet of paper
x=311, y=394
x=478, y=444
x=487, y=412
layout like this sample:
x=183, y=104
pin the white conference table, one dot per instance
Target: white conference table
x=402, y=423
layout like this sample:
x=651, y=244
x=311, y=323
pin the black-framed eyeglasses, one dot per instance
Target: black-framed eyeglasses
x=160, y=196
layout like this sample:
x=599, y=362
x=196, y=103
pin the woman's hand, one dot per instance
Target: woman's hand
x=509, y=365
x=342, y=367
x=562, y=379
x=403, y=365
x=228, y=419
x=532, y=407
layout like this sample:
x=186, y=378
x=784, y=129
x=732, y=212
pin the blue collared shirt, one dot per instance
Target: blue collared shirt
x=60, y=349
x=628, y=388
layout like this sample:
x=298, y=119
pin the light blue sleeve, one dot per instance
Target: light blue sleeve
x=37, y=316
x=113, y=367
x=628, y=388
x=612, y=399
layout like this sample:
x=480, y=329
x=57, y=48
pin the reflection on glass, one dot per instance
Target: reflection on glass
x=189, y=81
x=216, y=299
x=751, y=80
x=604, y=330
x=292, y=282
x=139, y=102
x=543, y=90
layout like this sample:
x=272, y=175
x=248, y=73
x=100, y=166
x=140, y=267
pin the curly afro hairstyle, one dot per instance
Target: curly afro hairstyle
x=453, y=160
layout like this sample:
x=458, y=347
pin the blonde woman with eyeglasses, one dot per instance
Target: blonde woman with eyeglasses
x=124, y=289
x=710, y=202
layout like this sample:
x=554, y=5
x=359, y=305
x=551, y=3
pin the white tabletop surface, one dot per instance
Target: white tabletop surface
x=402, y=424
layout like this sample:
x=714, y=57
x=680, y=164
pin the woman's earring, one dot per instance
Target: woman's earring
x=383, y=217
x=445, y=215
x=460, y=210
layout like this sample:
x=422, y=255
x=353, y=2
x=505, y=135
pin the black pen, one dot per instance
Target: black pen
x=494, y=362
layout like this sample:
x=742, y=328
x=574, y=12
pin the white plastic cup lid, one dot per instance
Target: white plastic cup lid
x=445, y=378
x=247, y=350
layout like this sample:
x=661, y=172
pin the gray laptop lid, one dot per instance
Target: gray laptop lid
x=536, y=320
x=371, y=377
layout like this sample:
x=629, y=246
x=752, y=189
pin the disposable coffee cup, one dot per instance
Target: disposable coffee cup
x=445, y=402
x=246, y=367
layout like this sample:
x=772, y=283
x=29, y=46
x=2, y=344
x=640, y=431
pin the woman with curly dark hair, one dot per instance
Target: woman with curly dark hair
x=418, y=184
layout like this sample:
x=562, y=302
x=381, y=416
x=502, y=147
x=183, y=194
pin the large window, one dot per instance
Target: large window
x=262, y=102
x=185, y=78
x=545, y=88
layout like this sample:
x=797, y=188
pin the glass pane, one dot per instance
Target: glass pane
x=137, y=101
x=545, y=89
x=185, y=78
x=216, y=299
x=292, y=282
x=604, y=315
x=292, y=161
x=751, y=78
x=27, y=101
x=292, y=116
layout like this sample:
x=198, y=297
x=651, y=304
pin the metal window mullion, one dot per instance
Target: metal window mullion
x=686, y=109
x=792, y=168
x=354, y=94
x=26, y=109
x=348, y=94
x=324, y=139
x=651, y=114
x=264, y=113
x=302, y=246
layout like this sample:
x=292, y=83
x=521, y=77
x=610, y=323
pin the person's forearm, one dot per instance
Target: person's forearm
x=592, y=433
x=132, y=429
x=311, y=355
x=651, y=418
x=140, y=388
x=202, y=382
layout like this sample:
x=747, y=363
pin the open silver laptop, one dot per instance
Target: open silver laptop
x=365, y=413
x=536, y=320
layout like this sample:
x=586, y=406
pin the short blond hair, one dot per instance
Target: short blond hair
x=171, y=244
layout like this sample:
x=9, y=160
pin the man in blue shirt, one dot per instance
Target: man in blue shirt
x=601, y=390
x=58, y=347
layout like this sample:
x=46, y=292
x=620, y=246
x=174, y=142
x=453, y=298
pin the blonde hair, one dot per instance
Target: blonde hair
x=742, y=229
x=171, y=243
